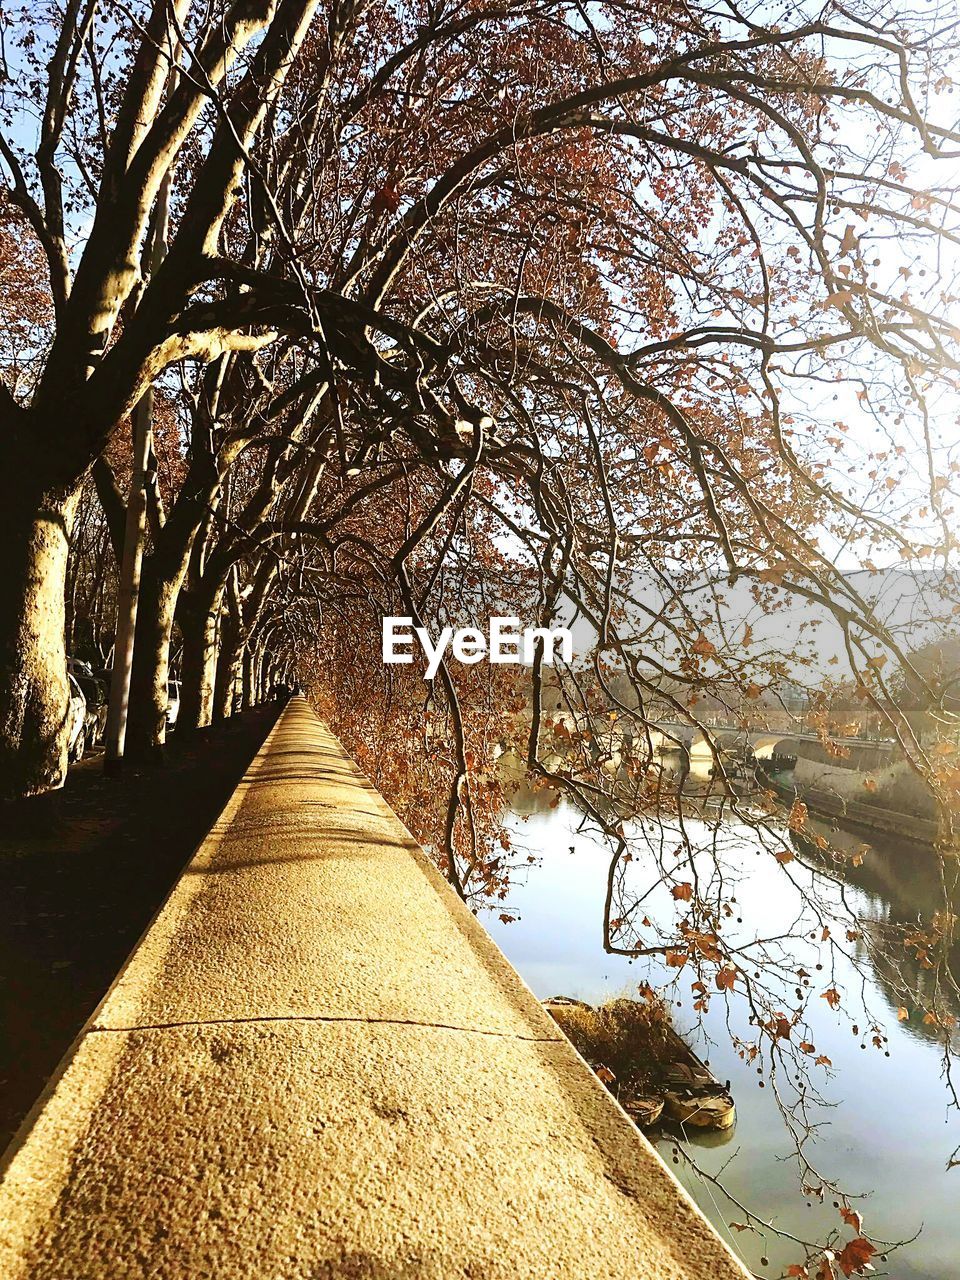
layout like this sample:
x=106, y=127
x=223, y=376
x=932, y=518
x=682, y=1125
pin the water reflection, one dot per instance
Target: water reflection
x=899, y=884
x=884, y=1127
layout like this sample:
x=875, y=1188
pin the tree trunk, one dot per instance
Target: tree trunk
x=261, y=670
x=199, y=626
x=149, y=697
x=33, y=671
x=249, y=694
x=228, y=668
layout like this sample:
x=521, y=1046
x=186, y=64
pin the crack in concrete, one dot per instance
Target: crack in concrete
x=330, y=1018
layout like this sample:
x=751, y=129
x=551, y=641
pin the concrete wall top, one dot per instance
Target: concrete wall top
x=317, y=1064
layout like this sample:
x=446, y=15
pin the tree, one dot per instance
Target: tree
x=114, y=332
x=546, y=215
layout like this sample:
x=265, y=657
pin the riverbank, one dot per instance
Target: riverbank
x=82, y=871
x=856, y=816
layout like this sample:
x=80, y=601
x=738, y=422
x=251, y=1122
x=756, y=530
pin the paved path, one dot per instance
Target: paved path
x=317, y=1064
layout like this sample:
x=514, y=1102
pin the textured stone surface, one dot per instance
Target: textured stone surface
x=317, y=1064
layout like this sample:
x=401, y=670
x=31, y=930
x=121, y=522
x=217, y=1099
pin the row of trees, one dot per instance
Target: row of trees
x=465, y=308
x=584, y=259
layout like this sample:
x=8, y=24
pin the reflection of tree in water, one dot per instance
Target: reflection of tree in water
x=901, y=885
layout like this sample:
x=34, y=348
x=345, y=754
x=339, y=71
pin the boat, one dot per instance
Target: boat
x=693, y=1096
x=644, y=1109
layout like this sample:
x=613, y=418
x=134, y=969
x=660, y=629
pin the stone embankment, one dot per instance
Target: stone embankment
x=853, y=815
x=317, y=1064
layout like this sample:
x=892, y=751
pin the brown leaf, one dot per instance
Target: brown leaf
x=683, y=892
x=726, y=978
x=851, y=1218
x=825, y=1270
x=855, y=1256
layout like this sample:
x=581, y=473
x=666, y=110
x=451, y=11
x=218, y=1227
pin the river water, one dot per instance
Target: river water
x=887, y=1132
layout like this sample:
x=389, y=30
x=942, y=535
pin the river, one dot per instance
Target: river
x=887, y=1132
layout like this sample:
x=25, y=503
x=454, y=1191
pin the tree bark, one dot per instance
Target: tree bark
x=33, y=669
x=228, y=668
x=261, y=673
x=248, y=683
x=147, y=716
x=199, y=626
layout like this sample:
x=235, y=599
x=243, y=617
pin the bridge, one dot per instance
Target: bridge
x=762, y=740
x=669, y=736
x=317, y=1064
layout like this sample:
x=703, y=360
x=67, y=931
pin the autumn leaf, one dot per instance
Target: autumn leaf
x=683, y=892
x=785, y=856
x=726, y=977
x=854, y=1257
x=703, y=647
x=774, y=573
x=605, y=1074
x=902, y=1014
x=825, y=1270
x=832, y=997
x=851, y=1218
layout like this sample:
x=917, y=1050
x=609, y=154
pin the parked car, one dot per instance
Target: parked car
x=76, y=720
x=173, y=703
x=95, y=693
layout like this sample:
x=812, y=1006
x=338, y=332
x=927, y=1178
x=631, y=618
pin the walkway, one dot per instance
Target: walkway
x=316, y=1064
